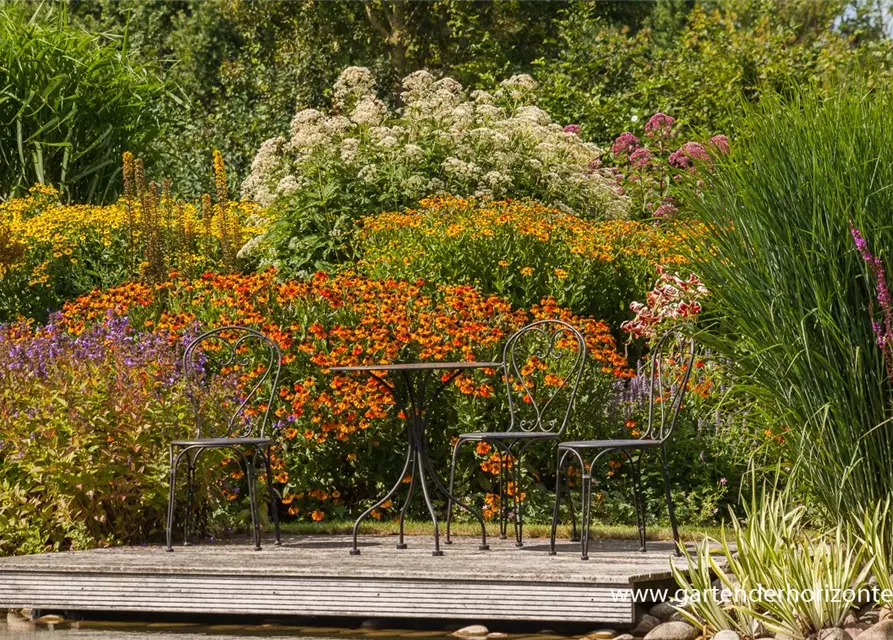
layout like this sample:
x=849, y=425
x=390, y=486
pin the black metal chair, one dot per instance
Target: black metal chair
x=666, y=389
x=212, y=364
x=539, y=345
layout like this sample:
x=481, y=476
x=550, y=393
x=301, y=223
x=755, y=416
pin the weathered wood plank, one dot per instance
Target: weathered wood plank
x=316, y=576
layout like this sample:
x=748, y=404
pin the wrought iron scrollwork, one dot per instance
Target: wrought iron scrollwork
x=542, y=341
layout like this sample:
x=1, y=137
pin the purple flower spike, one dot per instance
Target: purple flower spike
x=883, y=328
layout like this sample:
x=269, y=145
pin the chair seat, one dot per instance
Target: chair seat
x=610, y=444
x=223, y=442
x=509, y=435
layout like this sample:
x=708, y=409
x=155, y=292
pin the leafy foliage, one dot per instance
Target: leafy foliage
x=776, y=572
x=702, y=60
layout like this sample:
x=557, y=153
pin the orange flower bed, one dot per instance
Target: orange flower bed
x=330, y=424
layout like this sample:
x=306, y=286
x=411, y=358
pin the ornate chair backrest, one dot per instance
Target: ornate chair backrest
x=670, y=369
x=542, y=365
x=231, y=377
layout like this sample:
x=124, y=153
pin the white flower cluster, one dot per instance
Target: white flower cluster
x=442, y=140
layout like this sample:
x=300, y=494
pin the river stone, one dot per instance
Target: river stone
x=856, y=629
x=602, y=634
x=726, y=634
x=50, y=619
x=886, y=613
x=881, y=631
x=673, y=631
x=497, y=635
x=832, y=633
x=645, y=624
x=372, y=624
x=625, y=636
x=662, y=610
x=471, y=631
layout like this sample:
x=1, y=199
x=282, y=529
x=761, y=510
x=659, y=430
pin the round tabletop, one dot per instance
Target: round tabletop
x=420, y=366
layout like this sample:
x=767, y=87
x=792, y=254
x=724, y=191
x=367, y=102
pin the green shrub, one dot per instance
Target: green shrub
x=698, y=61
x=792, y=296
x=86, y=422
x=71, y=102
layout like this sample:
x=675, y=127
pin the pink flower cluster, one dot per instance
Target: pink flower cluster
x=883, y=329
x=625, y=144
x=648, y=175
x=671, y=299
x=660, y=125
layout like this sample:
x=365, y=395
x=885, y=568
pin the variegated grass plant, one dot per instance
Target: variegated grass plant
x=775, y=573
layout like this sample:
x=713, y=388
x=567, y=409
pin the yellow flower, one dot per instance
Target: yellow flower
x=527, y=271
x=561, y=274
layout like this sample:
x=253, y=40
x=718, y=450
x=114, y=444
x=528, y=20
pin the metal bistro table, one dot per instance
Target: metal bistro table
x=416, y=384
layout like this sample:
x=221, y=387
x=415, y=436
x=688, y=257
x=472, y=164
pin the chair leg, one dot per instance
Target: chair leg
x=575, y=536
x=274, y=505
x=585, y=520
x=635, y=467
x=449, y=515
x=670, y=509
x=170, y=499
x=503, y=507
x=252, y=500
x=519, y=504
x=558, y=465
x=190, y=494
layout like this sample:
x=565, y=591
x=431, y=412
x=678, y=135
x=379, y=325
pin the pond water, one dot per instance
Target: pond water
x=15, y=626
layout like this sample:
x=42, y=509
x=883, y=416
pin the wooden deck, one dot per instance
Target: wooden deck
x=316, y=576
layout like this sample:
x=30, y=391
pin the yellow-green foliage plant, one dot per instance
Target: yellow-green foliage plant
x=876, y=533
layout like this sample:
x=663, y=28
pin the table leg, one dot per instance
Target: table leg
x=417, y=439
x=413, y=471
x=355, y=551
x=429, y=468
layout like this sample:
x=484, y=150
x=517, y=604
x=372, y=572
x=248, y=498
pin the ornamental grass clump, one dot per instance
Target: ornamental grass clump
x=72, y=102
x=791, y=294
x=365, y=157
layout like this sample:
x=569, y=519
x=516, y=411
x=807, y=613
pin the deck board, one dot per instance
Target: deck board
x=315, y=575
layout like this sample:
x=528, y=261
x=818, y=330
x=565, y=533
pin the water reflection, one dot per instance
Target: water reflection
x=15, y=626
